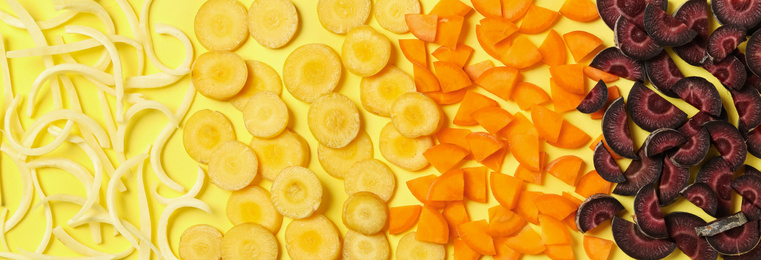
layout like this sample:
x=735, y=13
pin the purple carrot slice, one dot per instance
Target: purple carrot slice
x=681, y=228
x=595, y=99
x=650, y=111
x=745, y=13
x=721, y=225
x=633, y=41
x=754, y=254
x=717, y=174
x=700, y=93
x=633, y=10
x=753, y=53
x=749, y=187
x=751, y=80
x=724, y=40
x=613, y=61
x=753, y=141
x=693, y=151
x=595, y=210
x=662, y=140
x=663, y=73
x=751, y=212
x=750, y=170
x=695, y=123
x=640, y=173
x=730, y=72
x=648, y=213
x=606, y=166
x=673, y=180
x=615, y=129
x=729, y=142
x=693, y=52
x=665, y=29
x=748, y=105
x=694, y=14
x=736, y=241
x=636, y=244
x=702, y=196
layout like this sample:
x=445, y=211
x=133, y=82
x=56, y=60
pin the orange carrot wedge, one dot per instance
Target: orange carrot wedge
x=476, y=69
x=432, y=227
x=613, y=94
x=494, y=162
x=535, y=177
x=447, y=187
x=425, y=80
x=448, y=30
x=444, y=157
x=454, y=136
x=553, y=231
x=504, y=222
x=527, y=242
x=450, y=7
x=483, y=145
x=451, y=76
x=571, y=198
x=526, y=207
x=522, y=54
x=492, y=119
x=528, y=95
x=493, y=38
x=475, y=234
x=537, y=19
x=559, y=252
x=554, y=205
x=471, y=103
x=423, y=26
x=570, y=222
x=579, y=10
x=581, y=44
x=525, y=149
x=463, y=252
x=415, y=51
x=597, y=248
x=506, y=189
x=459, y=55
x=592, y=183
x=563, y=100
x=476, y=188
x=402, y=218
x=597, y=75
x=455, y=213
x=553, y=49
x=419, y=188
x=450, y=98
x=519, y=125
x=566, y=168
x=571, y=137
x=499, y=81
x=488, y=8
x=547, y=122
x=499, y=28
x=504, y=252
x=594, y=143
x=570, y=77
x=515, y=9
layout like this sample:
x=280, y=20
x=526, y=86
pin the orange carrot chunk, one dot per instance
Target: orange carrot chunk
x=450, y=98
x=527, y=242
x=483, y=145
x=554, y=232
x=519, y=125
x=515, y=9
x=554, y=205
x=581, y=44
x=455, y=213
x=538, y=19
x=476, y=188
x=592, y=183
x=425, y=80
x=570, y=77
x=594, y=143
x=488, y=8
x=419, y=188
x=454, y=136
x=504, y=252
x=492, y=35
x=471, y=103
x=494, y=162
x=559, y=252
x=459, y=55
x=450, y=7
x=475, y=234
x=448, y=30
x=451, y=76
x=523, y=173
x=563, y=100
x=415, y=51
x=432, y=227
x=571, y=137
x=475, y=70
x=492, y=119
x=525, y=149
x=444, y=157
x=402, y=218
x=553, y=49
x=526, y=207
x=521, y=54
x=613, y=94
x=566, y=168
x=447, y=187
x=528, y=95
x=504, y=222
x=579, y=10
x=571, y=198
x=597, y=248
x=499, y=81
x=423, y=26
x=597, y=75
x=506, y=189
x=463, y=252
x=547, y=122
x=570, y=222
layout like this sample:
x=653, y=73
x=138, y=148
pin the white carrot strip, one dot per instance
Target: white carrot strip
x=27, y=189
x=45, y=241
x=3, y=214
x=129, y=13
x=84, y=70
x=7, y=85
x=137, y=108
x=192, y=193
x=95, y=233
x=160, y=142
x=111, y=197
x=166, y=250
x=61, y=48
x=79, y=248
x=36, y=256
x=145, y=214
x=100, y=13
x=156, y=80
x=44, y=25
x=14, y=256
x=146, y=38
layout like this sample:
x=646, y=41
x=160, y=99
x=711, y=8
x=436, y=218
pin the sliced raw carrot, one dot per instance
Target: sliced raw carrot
x=526, y=207
x=488, y=8
x=448, y=30
x=476, y=188
x=559, y=252
x=581, y=44
x=476, y=69
x=504, y=222
x=425, y=80
x=553, y=231
x=597, y=75
x=527, y=242
x=506, y=189
x=613, y=94
x=592, y=183
x=415, y=51
x=454, y=136
x=492, y=34
x=521, y=54
x=570, y=77
x=447, y=187
x=563, y=100
x=450, y=98
x=597, y=248
x=432, y=227
x=571, y=137
x=475, y=234
x=450, y=7
x=455, y=213
x=402, y=218
x=492, y=119
x=527, y=95
x=494, y=162
x=576, y=201
x=523, y=173
x=554, y=205
x=547, y=122
x=525, y=149
x=579, y=10
x=519, y=125
x=423, y=26
x=504, y=252
x=483, y=145
x=515, y=9
x=553, y=49
x=463, y=252
x=445, y=156
x=538, y=19
x=594, y=143
x=419, y=188
x=459, y=55
x=451, y=76
x=471, y=103
x=570, y=222
x=566, y=168
x=499, y=81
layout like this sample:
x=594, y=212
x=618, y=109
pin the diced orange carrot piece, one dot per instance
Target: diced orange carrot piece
x=570, y=77
x=592, y=183
x=521, y=54
x=519, y=125
x=450, y=98
x=538, y=19
x=504, y=222
x=494, y=162
x=506, y=189
x=476, y=69
x=459, y=55
x=483, y=145
x=499, y=81
x=523, y=173
x=475, y=234
x=571, y=137
x=423, y=26
x=444, y=156
x=476, y=188
x=432, y=227
x=594, y=143
x=515, y=9
x=581, y=44
x=554, y=205
x=504, y=252
x=570, y=222
x=579, y=10
x=447, y=187
x=553, y=231
x=450, y=7
x=455, y=213
x=402, y=218
x=566, y=168
x=576, y=201
x=526, y=207
x=597, y=75
x=463, y=252
x=448, y=31
x=419, y=188
x=488, y=8
x=547, y=122
x=451, y=76
x=454, y=136
x=415, y=51
x=553, y=49
x=425, y=81
x=493, y=37
x=528, y=242
x=492, y=119
x=527, y=95
x=613, y=94
x=525, y=149
x=559, y=252
x=597, y=248
x=471, y=103
x=563, y=100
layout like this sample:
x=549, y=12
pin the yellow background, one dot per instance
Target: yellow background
x=182, y=168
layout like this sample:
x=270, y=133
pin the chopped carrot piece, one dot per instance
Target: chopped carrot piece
x=566, y=168
x=528, y=95
x=570, y=77
x=447, y=187
x=592, y=183
x=488, y=8
x=527, y=242
x=579, y=10
x=455, y=213
x=563, y=100
x=504, y=222
x=547, y=122
x=581, y=44
x=525, y=149
x=476, y=69
x=553, y=231
x=570, y=222
x=402, y=218
x=451, y=76
x=554, y=205
x=506, y=189
x=475, y=234
x=476, y=188
x=425, y=80
x=471, y=103
x=504, y=252
x=492, y=119
x=483, y=145
x=450, y=7
x=515, y=9
x=559, y=252
x=597, y=248
x=454, y=136
x=538, y=19
x=432, y=227
x=444, y=156
x=523, y=173
x=576, y=201
x=571, y=137
x=463, y=252
x=519, y=125
x=499, y=81
x=423, y=26
x=448, y=31
x=613, y=94
x=597, y=75
x=526, y=207
x=492, y=34
x=450, y=98
x=594, y=143
x=415, y=51
x=459, y=55
x=553, y=49
x=521, y=54
x=494, y=162
x=419, y=188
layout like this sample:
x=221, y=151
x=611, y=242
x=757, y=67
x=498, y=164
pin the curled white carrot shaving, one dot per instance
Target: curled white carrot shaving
x=156, y=80
x=100, y=13
x=163, y=242
x=133, y=110
x=3, y=214
x=62, y=48
x=146, y=38
x=192, y=193
x=79, y=248
x=27, y=189
x=111, y=196
x=160, y=142
x=78, y=171
x=145, y=214
x=51, y=23
x=45, y=241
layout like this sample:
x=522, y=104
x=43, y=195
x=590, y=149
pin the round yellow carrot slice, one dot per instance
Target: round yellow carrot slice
x=265, y=115
x=410, y=248
x=311, y=70
x=220, y=25
x=407, y=153
x=339, y=16
x=261, y=77
x=201, y=242
x=358, y=246
x=333, y=120
x=284, y=150
x=372, y=176
x=390, y=14
x=253, y=204
x=312, y=238
x=272, y=23
x=249, y=241
x=338, y=162
x=233, y=166
x=365, y=51
x=204, y=131
x=296, y=192
x=378, y=92
x=219, y=75
x=365, y=213
x=414, y=114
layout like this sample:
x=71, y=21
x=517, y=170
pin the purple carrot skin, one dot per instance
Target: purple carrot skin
x=663, y=73
x=595, y=99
